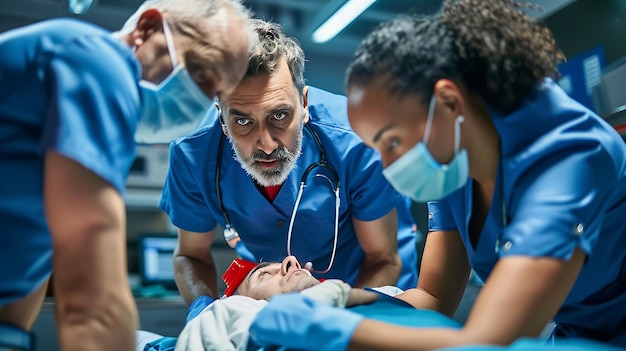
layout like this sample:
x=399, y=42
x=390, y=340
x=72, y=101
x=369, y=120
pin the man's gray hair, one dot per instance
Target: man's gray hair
x=273, y=45
x=192, y=11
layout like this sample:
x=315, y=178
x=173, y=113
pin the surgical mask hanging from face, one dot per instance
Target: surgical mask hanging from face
x=419, y=176
x=172, y=108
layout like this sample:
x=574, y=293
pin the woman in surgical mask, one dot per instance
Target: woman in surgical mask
x=524, y=185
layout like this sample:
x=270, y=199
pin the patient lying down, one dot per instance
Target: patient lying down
x=267, y=279
x=223, y=325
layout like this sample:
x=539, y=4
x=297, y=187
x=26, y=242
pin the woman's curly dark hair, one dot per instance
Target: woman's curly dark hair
x=494, y=48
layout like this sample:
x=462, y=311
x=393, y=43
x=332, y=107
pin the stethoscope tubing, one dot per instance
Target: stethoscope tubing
x=232, y=236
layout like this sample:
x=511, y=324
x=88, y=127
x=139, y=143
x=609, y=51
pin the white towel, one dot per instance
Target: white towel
x=224, y=324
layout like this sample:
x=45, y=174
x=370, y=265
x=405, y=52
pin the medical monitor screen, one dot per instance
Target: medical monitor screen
x=156, y=260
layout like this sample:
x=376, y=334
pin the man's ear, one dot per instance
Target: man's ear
x=224, y=130
x=150, y=22
x=220, y=113
x=305, y=103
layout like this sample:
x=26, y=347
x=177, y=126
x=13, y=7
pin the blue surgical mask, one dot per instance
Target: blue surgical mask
x=174, y=107
x=419, y=176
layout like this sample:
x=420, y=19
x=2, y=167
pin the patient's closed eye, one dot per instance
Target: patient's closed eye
x=268, y=272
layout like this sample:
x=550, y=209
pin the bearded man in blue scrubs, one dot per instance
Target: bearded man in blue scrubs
x=72, y=97
x=244, y=170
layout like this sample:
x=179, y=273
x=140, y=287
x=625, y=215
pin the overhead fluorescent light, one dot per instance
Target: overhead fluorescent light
x=340, y=20
x=79, y=7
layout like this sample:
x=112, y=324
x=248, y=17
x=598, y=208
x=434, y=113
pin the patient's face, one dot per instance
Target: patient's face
x=272, y=278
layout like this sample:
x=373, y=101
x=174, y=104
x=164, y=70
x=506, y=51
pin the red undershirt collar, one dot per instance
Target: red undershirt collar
x=269, y=192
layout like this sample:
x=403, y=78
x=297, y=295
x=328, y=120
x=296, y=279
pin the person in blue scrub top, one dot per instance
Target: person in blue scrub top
x=244, y=169
x=524, y=185
x=72, y=98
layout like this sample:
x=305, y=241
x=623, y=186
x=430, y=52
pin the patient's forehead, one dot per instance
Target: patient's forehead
x=245, y=284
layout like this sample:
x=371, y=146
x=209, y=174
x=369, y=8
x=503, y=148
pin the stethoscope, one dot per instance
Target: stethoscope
x=232, y=236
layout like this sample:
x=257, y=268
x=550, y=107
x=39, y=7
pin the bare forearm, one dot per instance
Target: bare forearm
x=379, y=273
x=421, y=299
x=110, y=326
x=86, y=216
x=381, y=264
x=94, y=314
x=195, y=278
x=530, y=289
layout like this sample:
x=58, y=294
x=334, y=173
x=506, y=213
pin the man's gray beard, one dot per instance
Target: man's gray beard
x=275, y=176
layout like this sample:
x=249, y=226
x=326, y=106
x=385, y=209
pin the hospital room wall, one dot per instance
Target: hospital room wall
x=585, y=24
x=326, y=71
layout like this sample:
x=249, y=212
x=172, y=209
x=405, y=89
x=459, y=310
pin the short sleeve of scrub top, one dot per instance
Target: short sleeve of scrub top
x=440, y=217
x=551, y=210
x=554, y=212
x=96, y=105
x=182, y=199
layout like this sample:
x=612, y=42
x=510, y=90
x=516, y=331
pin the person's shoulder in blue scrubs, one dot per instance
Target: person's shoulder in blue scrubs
x=60, y=124
x=524, y=185
x=279, y=163
x=74, y=99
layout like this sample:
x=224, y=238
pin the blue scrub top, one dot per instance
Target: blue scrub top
x=563, y=173
x=189, y=195
x=65, y=86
